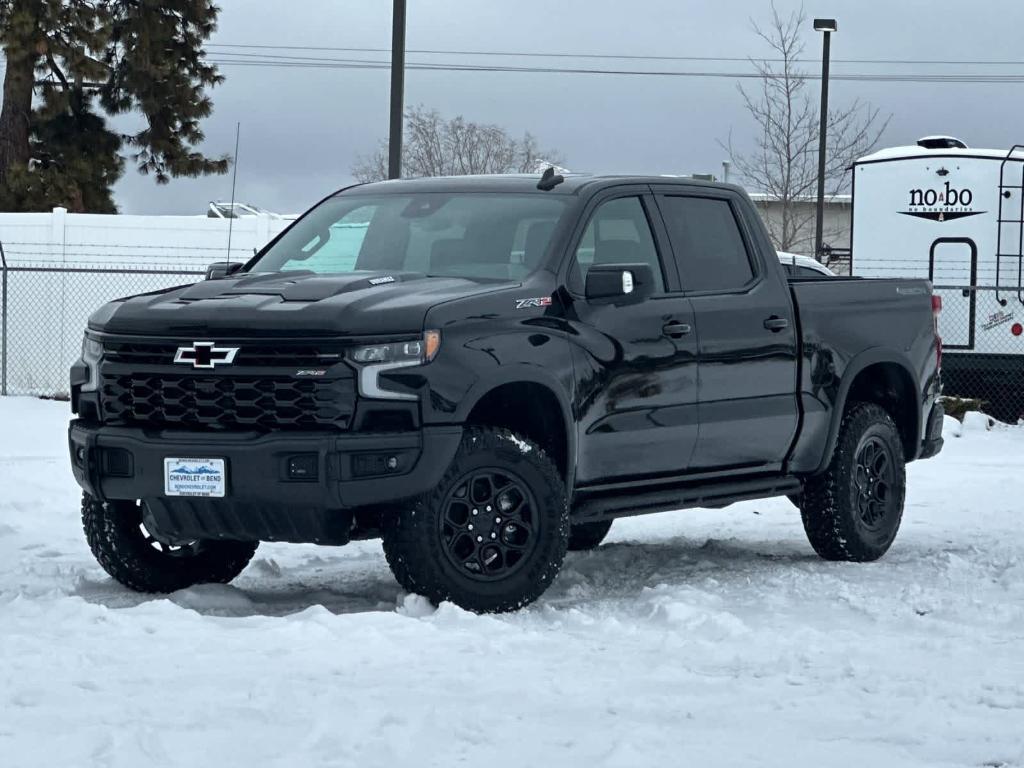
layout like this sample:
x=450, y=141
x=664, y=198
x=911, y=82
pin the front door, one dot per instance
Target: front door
x=636, y=368
x=746, y=332
x=952, y=268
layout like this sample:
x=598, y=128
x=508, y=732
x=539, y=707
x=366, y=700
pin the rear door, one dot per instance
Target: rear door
x=746, y=330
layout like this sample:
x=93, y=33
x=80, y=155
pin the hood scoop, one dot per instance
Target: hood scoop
x=294, y=286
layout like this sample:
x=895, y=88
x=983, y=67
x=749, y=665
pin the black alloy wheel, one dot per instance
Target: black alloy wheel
x=488, y=528
x=874, y=477
x=492, y=534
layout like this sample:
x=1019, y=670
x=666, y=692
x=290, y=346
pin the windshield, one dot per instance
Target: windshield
x=475, y=235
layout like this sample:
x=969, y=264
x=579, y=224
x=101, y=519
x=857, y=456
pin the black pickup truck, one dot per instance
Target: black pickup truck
x=485, y=372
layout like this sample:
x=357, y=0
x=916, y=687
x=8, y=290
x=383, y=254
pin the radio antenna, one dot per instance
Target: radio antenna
x=234, y=180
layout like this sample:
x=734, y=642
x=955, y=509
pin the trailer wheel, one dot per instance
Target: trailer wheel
x=853, y=510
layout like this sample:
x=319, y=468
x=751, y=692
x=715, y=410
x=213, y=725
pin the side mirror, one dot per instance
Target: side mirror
x=619, y=283
x=221, y=269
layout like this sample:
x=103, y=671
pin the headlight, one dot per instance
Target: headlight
x=375, y=359
x=92, y=351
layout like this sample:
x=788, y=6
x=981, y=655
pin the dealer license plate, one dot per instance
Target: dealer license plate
x=194, y=477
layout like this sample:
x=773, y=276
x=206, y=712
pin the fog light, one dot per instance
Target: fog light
x=117, y=462
x=303, y=467
x=376, y=464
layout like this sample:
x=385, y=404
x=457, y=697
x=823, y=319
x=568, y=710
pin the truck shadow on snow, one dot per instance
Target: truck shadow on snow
x=616, y=571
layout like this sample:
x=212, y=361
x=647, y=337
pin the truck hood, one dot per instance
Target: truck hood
x=286, y=304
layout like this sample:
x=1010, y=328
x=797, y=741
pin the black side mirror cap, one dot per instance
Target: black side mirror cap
x=619, y=283
x=222, y=269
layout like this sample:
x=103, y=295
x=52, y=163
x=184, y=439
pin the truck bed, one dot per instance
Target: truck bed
x=844, y=323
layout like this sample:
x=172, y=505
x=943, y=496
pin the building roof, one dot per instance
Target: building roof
x=766, y=197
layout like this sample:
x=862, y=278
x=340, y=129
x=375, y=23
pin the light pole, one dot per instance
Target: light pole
x=397, y=89
x=827, y=26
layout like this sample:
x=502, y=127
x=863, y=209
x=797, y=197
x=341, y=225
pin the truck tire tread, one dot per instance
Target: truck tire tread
x=587, y=536
x=412, y=545
x=114, y=536
x=826, y=505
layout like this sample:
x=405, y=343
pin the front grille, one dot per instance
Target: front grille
x=227, y=402
x=262, y=354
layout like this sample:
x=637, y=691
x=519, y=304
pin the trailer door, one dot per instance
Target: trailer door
x=953, y=269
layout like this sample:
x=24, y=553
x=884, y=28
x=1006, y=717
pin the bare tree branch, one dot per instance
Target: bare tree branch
x=435, y=146
x=783, y=163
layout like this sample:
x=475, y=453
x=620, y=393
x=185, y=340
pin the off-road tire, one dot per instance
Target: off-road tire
x=418, y=556
x=829, y=504
x=587, y=536
x=115, y=536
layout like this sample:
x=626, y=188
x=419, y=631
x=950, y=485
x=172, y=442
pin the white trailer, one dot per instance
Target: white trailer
x=954, y=215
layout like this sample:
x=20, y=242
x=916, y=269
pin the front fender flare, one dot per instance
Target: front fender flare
x=516, y=373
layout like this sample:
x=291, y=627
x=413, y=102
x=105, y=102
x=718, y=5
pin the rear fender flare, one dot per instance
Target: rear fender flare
x=858, y=364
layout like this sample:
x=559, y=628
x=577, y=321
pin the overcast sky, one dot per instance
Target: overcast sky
x=303, y=128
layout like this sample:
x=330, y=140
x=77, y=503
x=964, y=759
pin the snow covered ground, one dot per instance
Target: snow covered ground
x=703, y=638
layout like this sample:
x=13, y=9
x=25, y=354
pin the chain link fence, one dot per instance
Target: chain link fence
x=982, y=330
x=44, y=311
x=45, y=306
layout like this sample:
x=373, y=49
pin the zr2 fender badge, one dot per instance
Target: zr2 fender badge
x=538, y=301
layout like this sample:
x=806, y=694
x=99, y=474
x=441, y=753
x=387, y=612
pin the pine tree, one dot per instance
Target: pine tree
x=143, y=56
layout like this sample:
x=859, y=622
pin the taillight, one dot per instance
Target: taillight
x=936, y=309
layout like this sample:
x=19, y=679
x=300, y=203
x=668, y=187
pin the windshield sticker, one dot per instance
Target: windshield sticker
x=538, y=301
x=381, y=280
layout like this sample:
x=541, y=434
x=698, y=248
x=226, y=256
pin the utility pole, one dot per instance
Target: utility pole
x=827, y=26
x=397, y=89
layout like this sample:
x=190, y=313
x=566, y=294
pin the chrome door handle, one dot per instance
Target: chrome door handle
x=776, y=323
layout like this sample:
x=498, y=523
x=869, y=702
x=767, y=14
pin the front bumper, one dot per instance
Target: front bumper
x=266, y=499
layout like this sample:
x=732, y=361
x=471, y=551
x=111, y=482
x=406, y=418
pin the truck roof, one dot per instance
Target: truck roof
x=573, y=184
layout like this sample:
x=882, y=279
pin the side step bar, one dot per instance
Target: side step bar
x=604, y=505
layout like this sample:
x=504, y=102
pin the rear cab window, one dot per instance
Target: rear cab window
x=710, y=251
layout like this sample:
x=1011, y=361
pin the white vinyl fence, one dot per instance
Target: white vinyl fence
x=58, y=267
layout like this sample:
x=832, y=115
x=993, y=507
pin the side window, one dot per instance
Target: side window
x=618, y=233
x=706, y=240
